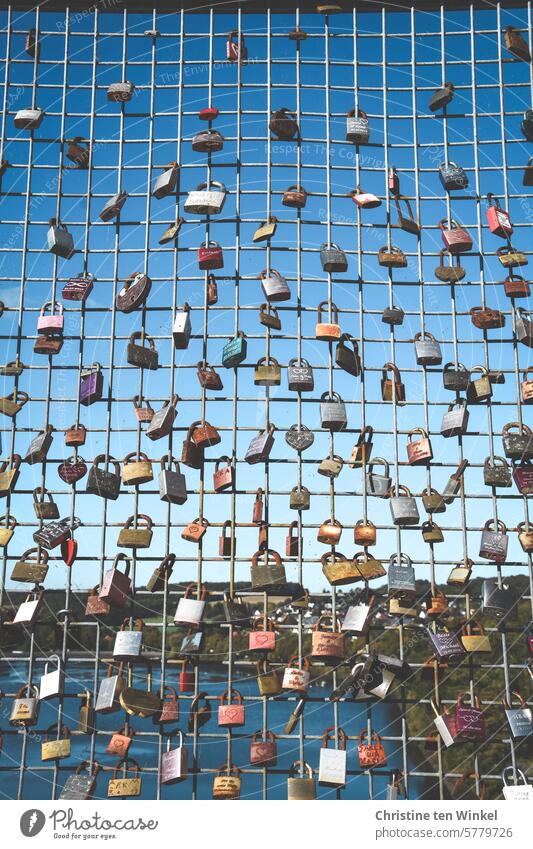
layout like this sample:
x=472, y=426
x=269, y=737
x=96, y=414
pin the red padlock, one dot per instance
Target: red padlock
x=257, y=512
x=208, y=114
x=223, y=477
x=234, y=48
x=498, y=220
x=186, y=678
x=456, y=239
x=231, y=715
x=210, y=256
x=262, y=637
x=393, y=181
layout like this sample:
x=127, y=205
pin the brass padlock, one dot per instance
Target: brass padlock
x=329, y=332
x=267, y=372
x=433, y=501
x=227, y=783
x=44, y=509
x=368, y=567
x=301, y=788
x=331, y=467
x=13, y=403
x=137, y=471
x=364, y=532
x=6, y=532
x=56, y=749
x=392, y=388
x=136, y=537
x=525, y=536
x=86, y=715
x=362, y=450
x=460, y=574
x=300, y=498
x=431, y=532
x=480, y=389
x=330, y=532
x=9, y=472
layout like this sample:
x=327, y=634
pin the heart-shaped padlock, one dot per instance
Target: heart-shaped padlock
x=69, y=550
x=299, y=438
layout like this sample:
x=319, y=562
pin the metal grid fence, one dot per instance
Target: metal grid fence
x=387, y=62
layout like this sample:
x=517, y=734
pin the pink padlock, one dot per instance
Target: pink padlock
x=233, y=48
x=498, y=220
x=52, y=321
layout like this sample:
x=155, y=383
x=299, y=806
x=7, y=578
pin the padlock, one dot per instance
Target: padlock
x=444, y=723
x=452, y=176
x=32, y=567
x=226, y=543
x=191, y=453
x=78, y=288
x=144, y=412
x=433, y=501
x=427, y=350
x=401, y=576
x=389, y=256
x=333, y=258
x=408, y=224
x=236, y=612
x=371, y=753
x=236, y=50
x=116, y=585
x=160, y=577
x=44, y=504
x=161, y=423
x=234, y=351
x=81, y=785
x=283, y=123
x=496, y=472
x=39, y=447
x=227, y=782
x=494, y=541
x=267, y=570
x=72, y=469
x=56, y=533
x=260, y=447
x=59, y=240
x=208, y=377
x=358, y=615
x=457, y=239
x=274, y=286
x=171, y=232
x=474, y=637
x=517, y=446
x=31, y=44
x=469, y=720
x=392, y=388
x=12, y=369
x=111, y=209
x=136, y=469
x=7, y=529
x=262, y=637
x=134, y=292
x=208, y=141
x=528, y=171
x=267, y=372
x=376, y=484
x=362, y=450
x=120, y=92
x=446, y=644
x=431, y=532
x=292, y=540
x=515, y=44
x=195, y=530
x=102, y=482
x=109, y=692
x=136, y=534
x=511, y=257
x=364, y=200
x=210, y=256
x=50, y=319
x=455, y=377
x=395, y=787
x=181, y=329
x=301, y=788
x=525, y=536
x=403, y=506
x=346, y=359
x=211, y=294
x=329, y=332
x=94, y=606
x=330, y=532
x=268, y=680
x=126, y=786
x=223, y=478
x=357, y=127
x=295, y=197
x=140, y=355
x=28, y=119
x=367, y=567
x=486, y=318
x=393, y=316
x=52, y=683
x=338, y=569
x=205, y=435
x=331, y=467
x=128, y=644
x=327, y=644
x=79, y=152
x=497, y=219
x=419, y=453
x=520, y=719
x=393, y=181
x=269, y=316
x=174, y=762
x=25, y=708
x=521, y=791
x=300, y=498
x=190, y=611
x=332, y=412
x=140, y=701
x=296, y=675
x=498, y=599
x=451, y=273
x=516, y=287
x=455, y=421
x=166, y=182
x=86, y=715
x=170, y=708
x=524, y=327
x=299, y=438
x=48, y=345
x=526, y=125
x=206, y=201
x=453, y=485
x=364, y=532
x=460, y=574
x=75, y=435
x=9, y=473
x=231, y=715
x=441, y=97
x=300, y=376
x=263, y=752
x=91, y=385
x=332, y=764
x=266, y=230
x=438, y=608
x=56, y=749
x=479, y=390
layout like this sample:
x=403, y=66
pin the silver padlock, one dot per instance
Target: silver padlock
x=181, y=330
x=376, y=484
x=333, y=258
x=332, y=412
x=25, y=708
x=204, y=201
x=128, y=644
x=357, y=127
x=427, y=350
x=332, y=763
x=39, y=447
x=120, y=92
x=520, y=719
x=494, y=541
x=524, y=327
x=60, y=242
x=166, y=182
x=172, y=484
x=274, y=286
x=455, y=421
x=111, y=686
x=51, y=684
x=401, y=576
x=522, y=791
x=113, y=206
x=357, y=617
x=29, y=119
x=403, y=507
